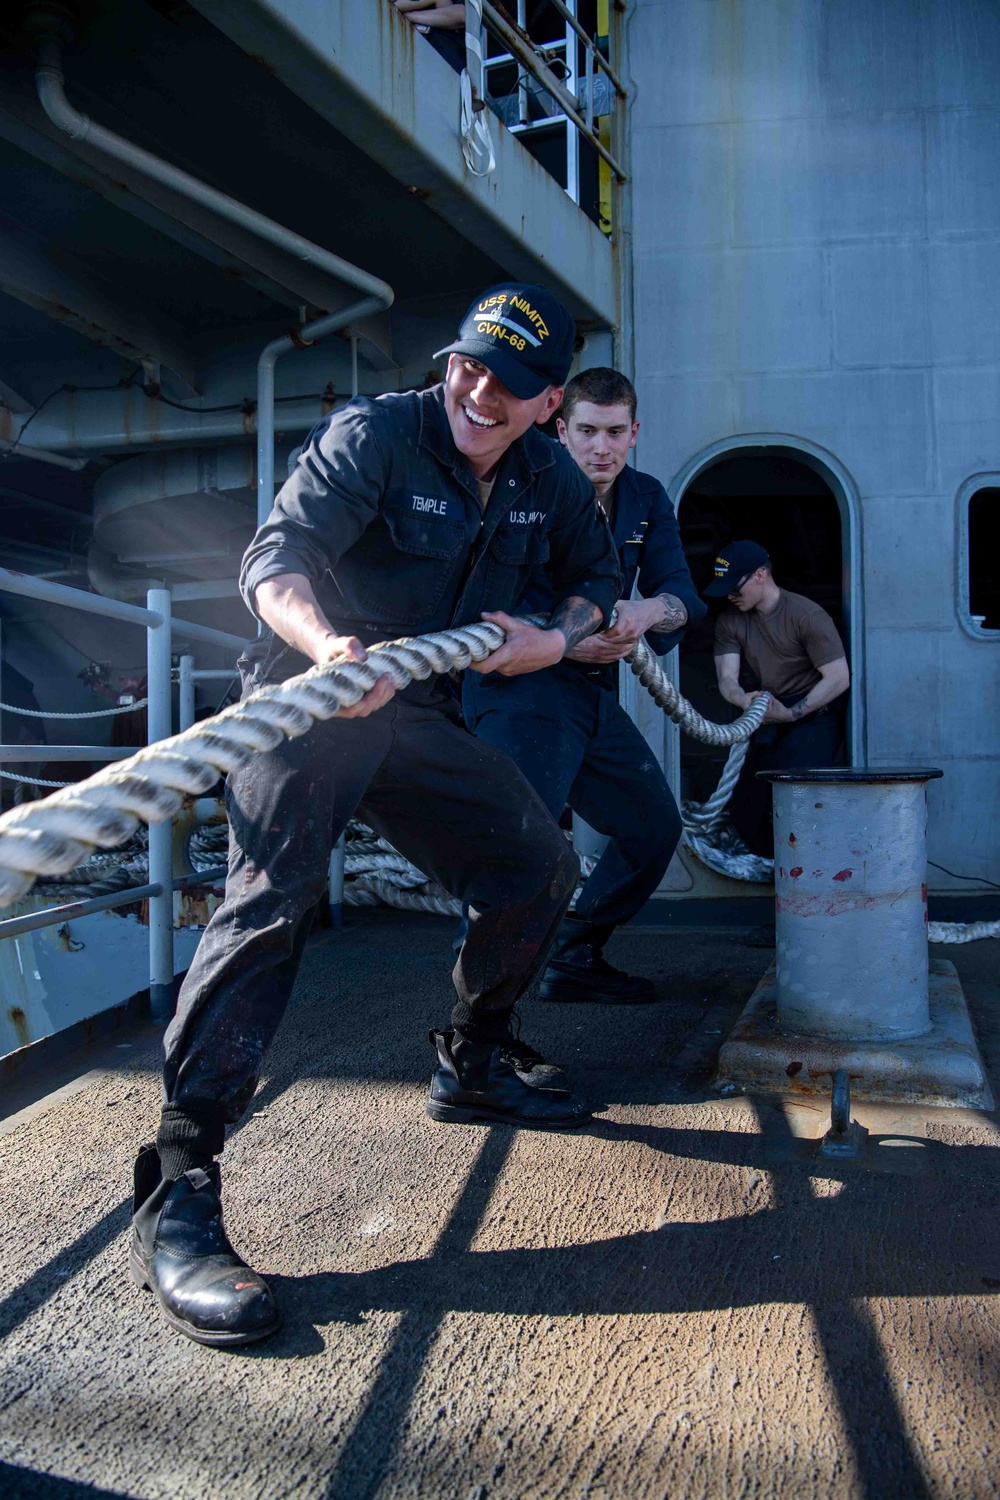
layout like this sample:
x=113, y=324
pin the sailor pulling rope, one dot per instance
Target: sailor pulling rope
x=53, y=835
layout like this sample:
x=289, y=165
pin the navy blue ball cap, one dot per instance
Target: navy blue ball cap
x=520, y=332
x=732, y=565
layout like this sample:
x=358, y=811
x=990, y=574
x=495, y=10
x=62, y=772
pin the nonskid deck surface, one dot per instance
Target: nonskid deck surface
x=669, y=1303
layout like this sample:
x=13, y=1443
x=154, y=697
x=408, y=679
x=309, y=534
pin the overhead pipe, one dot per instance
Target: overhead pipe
x=121, y=421
x=50, y=26
x=14, y=449
x=302, y=337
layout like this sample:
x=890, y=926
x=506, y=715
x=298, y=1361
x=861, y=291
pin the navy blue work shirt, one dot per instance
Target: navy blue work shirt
x=649, y=547
x=648, y=542
x=382, y=515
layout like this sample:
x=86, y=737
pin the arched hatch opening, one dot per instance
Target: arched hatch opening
x=803, y=511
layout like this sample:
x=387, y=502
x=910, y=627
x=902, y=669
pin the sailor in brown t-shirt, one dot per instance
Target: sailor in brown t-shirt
x=788, y=645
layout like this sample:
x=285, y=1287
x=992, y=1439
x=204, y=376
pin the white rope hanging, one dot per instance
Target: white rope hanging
x=669, y=698
x=52, y=836
x=33, y=780
x=96, y=713
x=477, y=138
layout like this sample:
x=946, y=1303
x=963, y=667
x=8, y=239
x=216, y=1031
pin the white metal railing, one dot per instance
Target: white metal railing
x=187, y=677
x=571, y=100
x=160, y=626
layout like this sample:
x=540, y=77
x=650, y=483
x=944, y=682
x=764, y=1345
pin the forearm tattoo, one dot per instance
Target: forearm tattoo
x=576, y=618
x=800, y=709
x=674, y=614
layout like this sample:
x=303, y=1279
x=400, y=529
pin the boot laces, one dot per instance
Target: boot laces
x=512, y=1048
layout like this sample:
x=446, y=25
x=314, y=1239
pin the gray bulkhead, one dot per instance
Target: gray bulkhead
x=816, y=251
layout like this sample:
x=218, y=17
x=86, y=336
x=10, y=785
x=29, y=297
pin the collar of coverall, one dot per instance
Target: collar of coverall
x=533, y=449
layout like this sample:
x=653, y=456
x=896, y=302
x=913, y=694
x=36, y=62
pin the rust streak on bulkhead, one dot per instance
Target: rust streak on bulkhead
x=399, y=39
x=19, y=1021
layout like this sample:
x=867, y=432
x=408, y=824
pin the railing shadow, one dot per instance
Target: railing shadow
x=890, y=1231
x=17, y=1483
x=829, y=1253
x=368, y=1450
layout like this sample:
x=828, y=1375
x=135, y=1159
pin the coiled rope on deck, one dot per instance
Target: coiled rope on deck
x=55, y=834
x=961, y=932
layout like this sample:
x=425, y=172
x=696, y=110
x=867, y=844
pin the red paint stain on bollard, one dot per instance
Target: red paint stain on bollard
x=796, y=872
x=843, y=875
x=792, y=839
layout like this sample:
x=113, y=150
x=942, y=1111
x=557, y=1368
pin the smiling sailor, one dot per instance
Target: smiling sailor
x=405, y=514
x=564, y=726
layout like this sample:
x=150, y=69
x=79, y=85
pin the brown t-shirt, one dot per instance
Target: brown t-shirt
x=485, y=487
x=782, y=651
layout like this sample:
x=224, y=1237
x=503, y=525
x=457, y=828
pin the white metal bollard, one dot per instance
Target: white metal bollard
x=850, y=872
x=161, y=866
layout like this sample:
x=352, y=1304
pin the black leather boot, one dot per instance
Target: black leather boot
x=578, y=971
x=472, y=1081
x=180, y=1251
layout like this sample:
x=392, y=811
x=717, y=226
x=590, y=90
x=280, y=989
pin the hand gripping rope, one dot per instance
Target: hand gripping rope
x=52, y=836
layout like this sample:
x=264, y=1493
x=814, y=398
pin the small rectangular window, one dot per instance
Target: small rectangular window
x=983, y=559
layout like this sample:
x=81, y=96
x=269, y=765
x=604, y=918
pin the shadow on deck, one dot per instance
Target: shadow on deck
x=666, y=1303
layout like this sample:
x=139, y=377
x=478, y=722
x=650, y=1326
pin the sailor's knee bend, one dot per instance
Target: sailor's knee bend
x=652, y=837
x=263, y=901
x=668, y=825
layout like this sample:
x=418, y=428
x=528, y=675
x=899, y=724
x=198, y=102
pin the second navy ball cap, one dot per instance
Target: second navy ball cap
x=520, y=332
x=732, y=565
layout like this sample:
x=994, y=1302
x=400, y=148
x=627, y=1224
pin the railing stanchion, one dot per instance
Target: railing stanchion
x=185, y=680
x=337, y=882
x=161, y=907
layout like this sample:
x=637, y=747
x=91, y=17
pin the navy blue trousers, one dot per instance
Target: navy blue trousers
x=456, y=808
x=817, y=740
x=572, y=741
